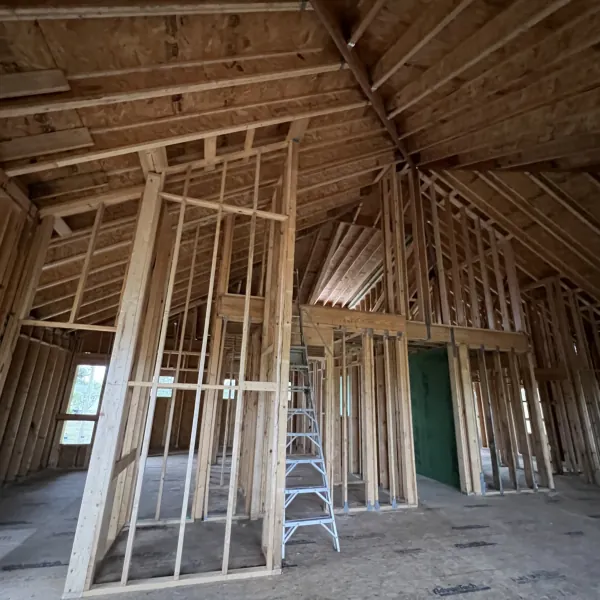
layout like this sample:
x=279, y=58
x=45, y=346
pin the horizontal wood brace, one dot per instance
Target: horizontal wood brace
x=76, y=417
x=124, y=462
x=65, y=325
x=227, y=208
x=249, y=386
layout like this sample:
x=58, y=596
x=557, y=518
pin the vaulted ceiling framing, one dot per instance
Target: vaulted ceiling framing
x=496, y=104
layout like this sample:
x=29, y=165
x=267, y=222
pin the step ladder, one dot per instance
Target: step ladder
x=303, y=429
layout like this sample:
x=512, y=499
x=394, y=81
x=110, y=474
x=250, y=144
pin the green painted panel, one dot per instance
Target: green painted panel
x=433, y=420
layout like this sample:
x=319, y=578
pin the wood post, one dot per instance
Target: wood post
x=97, y=495
x=273, y=532
x=369, y=422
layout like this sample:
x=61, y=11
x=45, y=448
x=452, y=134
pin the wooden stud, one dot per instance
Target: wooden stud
x=95, y=501
x=499, y=281
x=86, y=264
x=473, y=298
x=345, y=418
x=439, y=257
x=273, y=530
x=513, y=285
x=490, y=420
x=239, y=404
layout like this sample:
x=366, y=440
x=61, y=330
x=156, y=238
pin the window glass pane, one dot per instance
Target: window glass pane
x=85, y=398
x=165, y=392
x=229, y=393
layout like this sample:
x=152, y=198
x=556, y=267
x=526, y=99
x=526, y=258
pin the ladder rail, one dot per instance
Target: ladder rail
x=316, y=459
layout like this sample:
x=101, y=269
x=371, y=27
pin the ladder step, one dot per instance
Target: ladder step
x=304, y=460
x=307, y=490
x=308, y=521
x=304, y=384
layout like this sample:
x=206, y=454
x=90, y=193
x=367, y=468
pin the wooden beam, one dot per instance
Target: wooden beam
x=210, y=152
x=456, y=180
x=32, y=107
x=109, y=10
x=86, y=265
x=569, y=204
x=365, y=22
x=178, y=139
x=95, y=507
x=226, y=208
x=153, y=160
x=421, y=31
x=249, y=142
x=439, y=257
x=32, y=83
x=496, y=33
x=13, y=191
x=358, y=70
x=297, y=130
x=45, y=143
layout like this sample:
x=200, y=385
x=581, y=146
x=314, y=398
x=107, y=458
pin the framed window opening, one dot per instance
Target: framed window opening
x=84, y=400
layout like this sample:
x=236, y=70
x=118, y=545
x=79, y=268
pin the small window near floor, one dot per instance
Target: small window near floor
x=165, y=392
x=228, y=393
x=84, y=400
x=525, y=409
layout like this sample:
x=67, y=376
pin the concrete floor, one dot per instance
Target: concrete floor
x=538, y=546
x=488, y=473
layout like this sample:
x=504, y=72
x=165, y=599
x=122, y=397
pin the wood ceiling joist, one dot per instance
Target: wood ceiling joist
x=544, y=156
x=456, y=180
x=345, y=264
x=44, y=106
x=420, y=33
x=567, y=117
x=563, y=43
x=574, y=78
x=364, y=23
x=37, y=11
x=359, y=270
x=512, y=195
x=46, y=143
x=557, y=194
x=173, y=140
x=514, y=20
x=359, y=71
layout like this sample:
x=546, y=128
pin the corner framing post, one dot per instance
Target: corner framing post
x=274, y=513
x=97, y=495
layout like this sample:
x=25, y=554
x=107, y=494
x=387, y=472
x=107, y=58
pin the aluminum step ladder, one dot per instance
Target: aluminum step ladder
x=303, y=429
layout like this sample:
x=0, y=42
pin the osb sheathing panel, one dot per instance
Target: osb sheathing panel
x=579, y=188
x=79, y=46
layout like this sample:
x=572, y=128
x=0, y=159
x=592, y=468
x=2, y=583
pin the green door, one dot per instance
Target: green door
x=433, y=421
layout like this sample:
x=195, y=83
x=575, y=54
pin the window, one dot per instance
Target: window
x=227, y=394
x=165, y=392
x=84, y=400
x=525, y=410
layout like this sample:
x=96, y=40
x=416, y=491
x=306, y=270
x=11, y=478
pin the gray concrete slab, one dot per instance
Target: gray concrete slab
x=533, y=546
